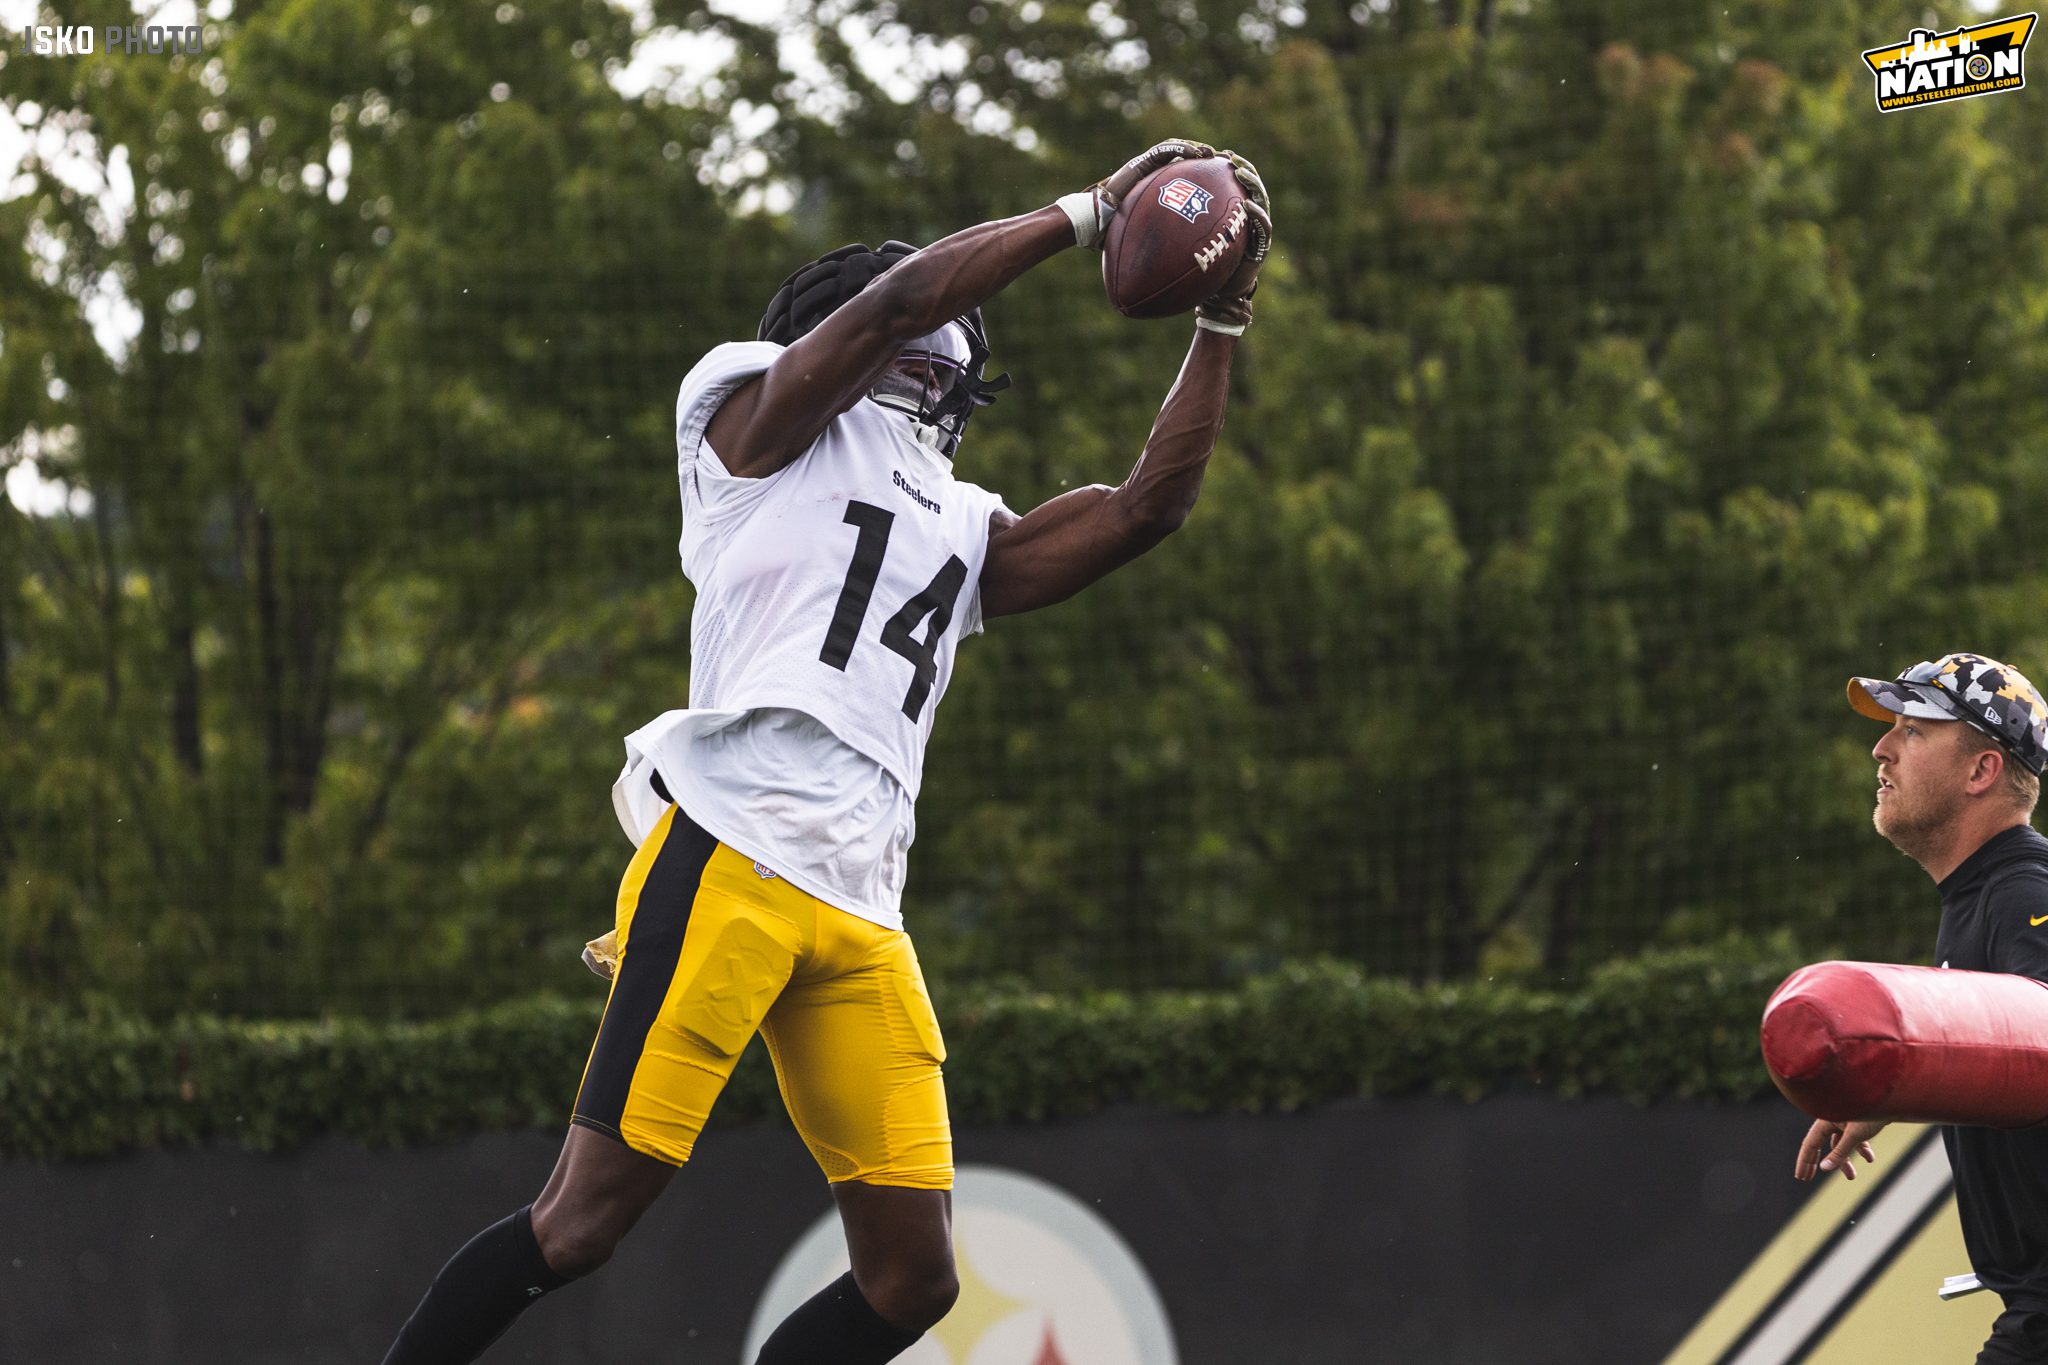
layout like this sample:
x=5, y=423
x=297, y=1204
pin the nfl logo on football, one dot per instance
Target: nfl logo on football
x=1185, y=198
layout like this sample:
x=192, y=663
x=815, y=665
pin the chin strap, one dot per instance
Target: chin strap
x=931, y=435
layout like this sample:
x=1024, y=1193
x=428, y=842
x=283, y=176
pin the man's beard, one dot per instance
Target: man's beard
x=1917, y=828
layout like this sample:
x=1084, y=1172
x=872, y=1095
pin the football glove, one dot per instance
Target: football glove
x=1092, y=208
x=1229, y=309
x=601, y=954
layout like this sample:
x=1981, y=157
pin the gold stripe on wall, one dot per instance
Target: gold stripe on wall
x=1817, y=1220
x=1900, y=1317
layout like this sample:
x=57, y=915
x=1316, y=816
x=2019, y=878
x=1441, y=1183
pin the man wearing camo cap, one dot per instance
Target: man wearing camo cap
x=1958, y=774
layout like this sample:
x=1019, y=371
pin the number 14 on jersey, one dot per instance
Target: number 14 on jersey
x=936, y=601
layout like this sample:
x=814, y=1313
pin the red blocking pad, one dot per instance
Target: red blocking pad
x=1869, y=1040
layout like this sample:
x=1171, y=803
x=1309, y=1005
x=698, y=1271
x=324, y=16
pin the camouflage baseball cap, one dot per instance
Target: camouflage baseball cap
x=1994, y=697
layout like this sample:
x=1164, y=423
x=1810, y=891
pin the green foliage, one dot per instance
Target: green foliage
x=1622, y=384
x=1679, y=1024
x=356, y=485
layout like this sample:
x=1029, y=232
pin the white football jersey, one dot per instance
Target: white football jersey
x=838, y=587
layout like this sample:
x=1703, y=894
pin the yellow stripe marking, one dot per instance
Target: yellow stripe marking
x=1900, y=1318
x=1753, y=1290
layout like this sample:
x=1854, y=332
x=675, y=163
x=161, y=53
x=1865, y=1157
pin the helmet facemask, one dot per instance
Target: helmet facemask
x=927, y=383
x=942, y=383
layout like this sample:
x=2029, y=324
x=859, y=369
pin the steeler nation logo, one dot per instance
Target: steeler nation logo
x=1931, y=68
x=1043, y=1281
x=1185, y=198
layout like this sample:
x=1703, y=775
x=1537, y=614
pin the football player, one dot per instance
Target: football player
x=838, y=562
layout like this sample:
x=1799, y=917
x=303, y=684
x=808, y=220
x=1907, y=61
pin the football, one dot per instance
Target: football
x=1178, y=236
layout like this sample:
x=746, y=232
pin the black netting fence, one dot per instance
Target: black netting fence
x=1624, y=381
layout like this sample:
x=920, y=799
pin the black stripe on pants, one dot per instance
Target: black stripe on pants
x=653, y=944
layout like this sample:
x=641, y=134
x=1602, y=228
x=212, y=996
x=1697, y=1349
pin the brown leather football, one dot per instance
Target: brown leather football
x=1176, y=238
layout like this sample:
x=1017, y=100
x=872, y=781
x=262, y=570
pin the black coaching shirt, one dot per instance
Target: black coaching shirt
x=2001, y=1175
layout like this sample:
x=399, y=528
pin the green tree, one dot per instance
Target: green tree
x=1623, y=383
x=406, y=285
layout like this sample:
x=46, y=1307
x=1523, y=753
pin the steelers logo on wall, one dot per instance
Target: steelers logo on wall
x=1043, y=1281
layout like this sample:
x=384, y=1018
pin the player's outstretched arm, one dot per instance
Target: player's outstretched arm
x=770, y=421
x=1062, y=546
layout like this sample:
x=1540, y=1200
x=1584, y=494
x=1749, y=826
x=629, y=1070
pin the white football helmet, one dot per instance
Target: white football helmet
x=921, y=383
x=810, y=295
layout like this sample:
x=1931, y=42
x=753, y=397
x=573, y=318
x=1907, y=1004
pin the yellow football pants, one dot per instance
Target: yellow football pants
x=711, y=950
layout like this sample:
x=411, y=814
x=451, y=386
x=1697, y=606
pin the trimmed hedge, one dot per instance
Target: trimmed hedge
x=1679, y=1024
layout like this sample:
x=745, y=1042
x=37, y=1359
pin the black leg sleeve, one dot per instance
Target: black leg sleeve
x=837, y=1325
x=475, y=1297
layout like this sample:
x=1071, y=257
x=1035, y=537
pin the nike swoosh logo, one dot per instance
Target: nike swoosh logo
x=2037, y=922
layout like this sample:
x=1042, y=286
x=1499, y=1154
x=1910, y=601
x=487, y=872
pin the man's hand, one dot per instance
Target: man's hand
x=1830, y=1145
x=1092, y=208
x=1229, y=309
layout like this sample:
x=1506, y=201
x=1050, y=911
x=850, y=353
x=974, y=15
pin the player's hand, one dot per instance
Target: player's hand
x=1231, y=305
x=1833, y=1146
x=1092, y=208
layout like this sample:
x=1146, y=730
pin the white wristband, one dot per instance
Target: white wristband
x=1080, y=208
x=1229, y=329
